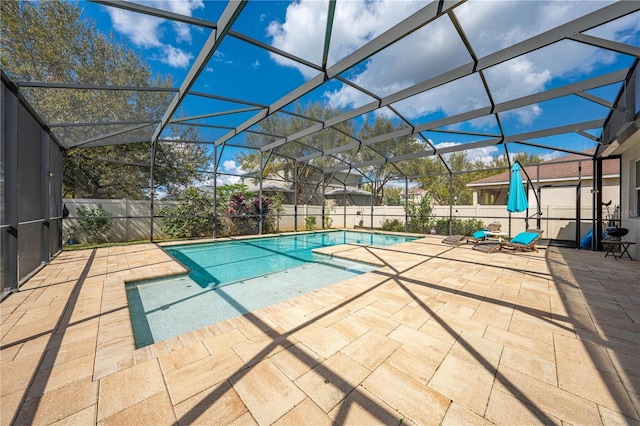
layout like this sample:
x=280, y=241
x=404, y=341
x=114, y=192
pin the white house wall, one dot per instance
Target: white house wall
x=630, y=217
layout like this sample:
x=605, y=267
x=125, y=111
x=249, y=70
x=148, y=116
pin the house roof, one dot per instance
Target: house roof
x=414, y=191
x=562, y=168
x=350, y=191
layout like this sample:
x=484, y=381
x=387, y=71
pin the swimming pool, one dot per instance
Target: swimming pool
x=232, y=278
x=220, y=263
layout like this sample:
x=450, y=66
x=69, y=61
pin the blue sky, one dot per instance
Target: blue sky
x=242, y=71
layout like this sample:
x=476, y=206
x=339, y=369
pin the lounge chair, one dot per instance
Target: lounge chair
x=488, y=246
x=454, y=240
x=525, y=241
x=482, y=234
x=477, y=236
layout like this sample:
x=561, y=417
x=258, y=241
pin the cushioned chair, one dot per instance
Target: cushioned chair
x=477, y=236
x=525, y=241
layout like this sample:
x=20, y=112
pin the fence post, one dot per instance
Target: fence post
x=127, y=219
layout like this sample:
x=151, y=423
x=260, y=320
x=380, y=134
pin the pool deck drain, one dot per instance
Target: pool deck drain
x=439, y=335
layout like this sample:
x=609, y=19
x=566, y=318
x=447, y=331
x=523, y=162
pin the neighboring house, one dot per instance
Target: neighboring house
x=415, y=195
x=558, y=180
x=311, y=192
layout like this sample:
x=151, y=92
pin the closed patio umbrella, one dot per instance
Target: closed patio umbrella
x=517, y=201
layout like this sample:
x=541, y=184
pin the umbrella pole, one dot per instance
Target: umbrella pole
x=538, y=211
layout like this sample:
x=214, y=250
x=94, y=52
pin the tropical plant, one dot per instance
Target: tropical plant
x=309, y=222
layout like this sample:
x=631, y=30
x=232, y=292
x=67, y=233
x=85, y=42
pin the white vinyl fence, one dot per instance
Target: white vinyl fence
x=132, y=218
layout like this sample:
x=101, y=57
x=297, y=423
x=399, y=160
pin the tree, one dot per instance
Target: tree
x=282, y=164
x=436, y=180
x=392, y=196
x=420, y=215
x=49, y=41
x=380, y=174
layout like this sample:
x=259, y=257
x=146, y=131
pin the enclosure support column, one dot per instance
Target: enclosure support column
x=260, y=194
x=450, y=203
x=9, y=128
x=597, y=205
x=151, y=184
x=539, y=207
x=323, y=201
x=578, y=204
x=295, y=196
x=215, y=190
x=344, y=210
x=371, y=206
x=406, y=204
x=44, y=195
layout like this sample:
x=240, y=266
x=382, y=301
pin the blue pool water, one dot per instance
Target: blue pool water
x=219, y=263
x=236, y=277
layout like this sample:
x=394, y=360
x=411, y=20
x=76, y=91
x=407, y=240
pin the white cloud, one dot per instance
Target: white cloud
x=227, y=180
x=149, y=31
x=256, y=63
x=142, y=30
x=463, y=95
x=525, y=115
x=485, y=154
x=175, y=57
x=233, y=168
x=437, y=48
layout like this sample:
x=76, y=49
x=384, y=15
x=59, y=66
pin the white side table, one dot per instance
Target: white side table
x=496, y=234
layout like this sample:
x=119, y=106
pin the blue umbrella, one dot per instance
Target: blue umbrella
x=517, y=195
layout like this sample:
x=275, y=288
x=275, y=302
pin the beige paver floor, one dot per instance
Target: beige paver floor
x=439, y=335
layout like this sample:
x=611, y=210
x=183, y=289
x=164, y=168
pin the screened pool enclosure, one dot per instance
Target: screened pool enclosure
x=300, y=123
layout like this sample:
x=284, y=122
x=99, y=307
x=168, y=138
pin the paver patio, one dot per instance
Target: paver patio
x=439, y=335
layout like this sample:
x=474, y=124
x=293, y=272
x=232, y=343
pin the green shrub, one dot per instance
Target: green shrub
x=191, y=218
x=458, y=226
x=93, y=224
x=393, y=225
x=309, y=222
x=328, y=221
x=420, y=215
